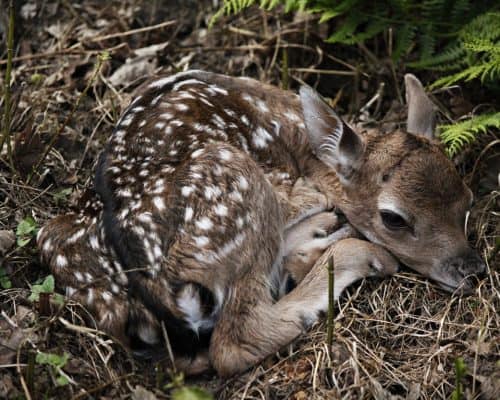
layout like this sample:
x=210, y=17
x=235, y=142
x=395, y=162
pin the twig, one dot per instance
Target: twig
x=323, y=71
x=8, y=71
x=133, y=31
x=169, y=347
x=65, y=52
x=331, y=297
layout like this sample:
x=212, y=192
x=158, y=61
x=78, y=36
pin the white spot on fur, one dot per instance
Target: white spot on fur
x=232, y=245
x=187, y=190
x=159, y=203
x=107, y=296
x=204, y=224
x=201, y=241
x=90, y=296
x=76, y=236
x=292, y=116
x=262, y=106
x=78, y=276
x=212, y=191
x=188, y=214
x=166, y=116
x=124, y=193
x=242, y=183
x=221, y=210
x=61, y=261
x=261, y=137
x=181, y=107
x=177, y=86
x=197, y=153
x=225, y=155
x=236, y=196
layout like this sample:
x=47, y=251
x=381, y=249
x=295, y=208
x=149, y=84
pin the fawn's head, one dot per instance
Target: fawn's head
x=399, y=189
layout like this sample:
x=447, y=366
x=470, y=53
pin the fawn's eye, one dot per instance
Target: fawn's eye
x=392, y=220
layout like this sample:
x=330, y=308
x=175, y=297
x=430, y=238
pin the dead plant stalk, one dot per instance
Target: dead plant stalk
x=8, y=71
x=331, y=297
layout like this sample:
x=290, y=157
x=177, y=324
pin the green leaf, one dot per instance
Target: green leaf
x=191, y=393
x=456, y=136
x=26, y=229
x=54, y=360
x=5, y=282
x=47, y=286
x=62, y=380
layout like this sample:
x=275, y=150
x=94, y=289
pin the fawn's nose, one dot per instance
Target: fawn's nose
x=468, y=263
x=470, y=267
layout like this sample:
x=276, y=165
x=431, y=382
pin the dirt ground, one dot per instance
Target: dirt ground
x=76, y=66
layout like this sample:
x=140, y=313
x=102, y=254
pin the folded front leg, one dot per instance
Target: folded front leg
x=308, y=239
x=251, y=327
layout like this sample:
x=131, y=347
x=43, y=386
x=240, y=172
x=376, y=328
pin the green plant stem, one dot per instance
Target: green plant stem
x=329, y=324
x=7, y=94
x=52, y=141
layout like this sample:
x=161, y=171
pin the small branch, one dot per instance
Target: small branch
x=133, y=31
x=72, y=51
x=331, y=299
x=8, y=71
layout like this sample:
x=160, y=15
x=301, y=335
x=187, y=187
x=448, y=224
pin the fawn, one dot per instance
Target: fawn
x=215, y=200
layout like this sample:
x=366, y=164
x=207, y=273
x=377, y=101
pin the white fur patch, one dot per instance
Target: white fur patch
x=204, y=223
x=61, y=261
x=187, y=190
x=188, y=214
x=221, y=210
x=261, y=137
x=159, y=203
x=201, y=241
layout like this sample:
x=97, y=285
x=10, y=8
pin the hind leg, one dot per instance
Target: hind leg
x=73, y=247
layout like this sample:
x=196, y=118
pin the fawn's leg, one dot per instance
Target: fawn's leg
x=251, y=327
x=308, y=239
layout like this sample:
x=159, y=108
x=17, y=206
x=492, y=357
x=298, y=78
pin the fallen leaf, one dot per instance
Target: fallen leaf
x=141, y=393
x=7, y=240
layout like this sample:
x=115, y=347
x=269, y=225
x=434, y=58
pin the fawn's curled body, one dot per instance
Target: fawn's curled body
x=212, y=195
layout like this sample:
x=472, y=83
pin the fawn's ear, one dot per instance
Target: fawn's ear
x=331, y=140
x=421, y=110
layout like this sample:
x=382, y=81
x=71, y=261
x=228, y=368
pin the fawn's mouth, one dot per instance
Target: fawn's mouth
x=464, y=287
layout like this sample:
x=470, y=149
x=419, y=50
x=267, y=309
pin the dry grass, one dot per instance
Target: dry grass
x=393, y=339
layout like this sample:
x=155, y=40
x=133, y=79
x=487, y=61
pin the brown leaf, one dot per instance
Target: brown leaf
x=7, y=240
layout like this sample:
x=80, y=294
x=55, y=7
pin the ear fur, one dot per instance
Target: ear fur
x=333, y=142
x=421, y=110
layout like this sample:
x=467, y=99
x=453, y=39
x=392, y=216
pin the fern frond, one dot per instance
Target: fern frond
x=404, y=39
x=451, y=58
x=456, y=136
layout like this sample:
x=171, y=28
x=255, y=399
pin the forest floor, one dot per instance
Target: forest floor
x=394, y=339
